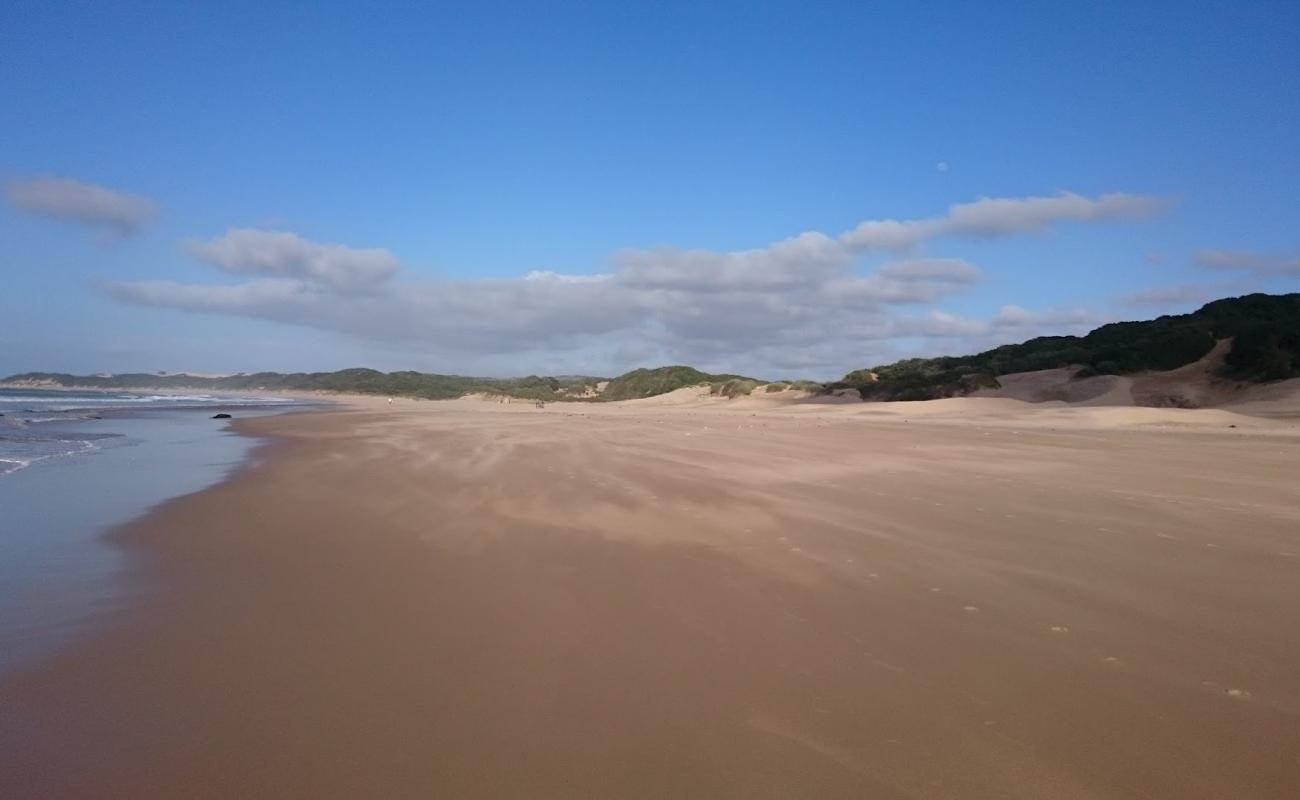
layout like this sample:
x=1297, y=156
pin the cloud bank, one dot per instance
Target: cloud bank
x=255, y=252
x=1162, y=296
x=83, y=204
x=1261, y=264
x=797, y=306
x=1000, y=216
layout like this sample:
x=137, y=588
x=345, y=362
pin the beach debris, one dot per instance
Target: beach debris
x=222, y=415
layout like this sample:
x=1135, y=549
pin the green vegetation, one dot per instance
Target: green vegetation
x=735, y=387
x=637, y=383
x=661, y=380
x=1266, y=346
x=800, y=385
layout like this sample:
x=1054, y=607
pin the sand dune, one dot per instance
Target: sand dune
x=1196, y=385
x=1108, y=404
x=1190, y=396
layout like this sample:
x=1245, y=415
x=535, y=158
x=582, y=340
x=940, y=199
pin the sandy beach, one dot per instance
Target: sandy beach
x=683, y=597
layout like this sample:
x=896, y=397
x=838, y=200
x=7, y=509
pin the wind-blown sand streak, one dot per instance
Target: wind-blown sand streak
x=967, y=599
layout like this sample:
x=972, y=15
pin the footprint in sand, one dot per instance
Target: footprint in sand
x=1058, y=629
x=971, y=609
x=1240, y=694
x=1112, y=661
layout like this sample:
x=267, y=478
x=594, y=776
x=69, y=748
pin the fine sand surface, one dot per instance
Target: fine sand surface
x=691, y=598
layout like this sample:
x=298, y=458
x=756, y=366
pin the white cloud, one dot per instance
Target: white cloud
x=1072, y=320
x=994, y=216
x=797, y=306
x=1250, y=261
x=281, y=254
x=790, y=262
x=812, y=254
x=497, y=316
x=246, y=299
x=950, y=270
x=764, y=324
x=1001, y=216
x=556, y=277
x=81, y=203
x=891, y=234
x=951, y=334
x=1167, y=296
x=941, y=324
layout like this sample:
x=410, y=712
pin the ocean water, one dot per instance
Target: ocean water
x=75, y=465
x=35, y=423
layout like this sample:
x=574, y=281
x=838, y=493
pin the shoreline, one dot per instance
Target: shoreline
x=66, y=576
x=484, y=601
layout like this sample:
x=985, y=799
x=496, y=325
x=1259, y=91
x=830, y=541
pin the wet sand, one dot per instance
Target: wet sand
x=645, y=601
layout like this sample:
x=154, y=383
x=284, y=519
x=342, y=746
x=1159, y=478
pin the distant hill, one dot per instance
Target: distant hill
x=637, y=383
x=661, y=380
x=1264, y=329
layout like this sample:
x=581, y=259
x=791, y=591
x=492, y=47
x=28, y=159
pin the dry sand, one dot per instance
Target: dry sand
x=685, y=597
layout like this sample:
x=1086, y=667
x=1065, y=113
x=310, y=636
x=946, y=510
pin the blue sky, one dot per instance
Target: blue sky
x=505, y=188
